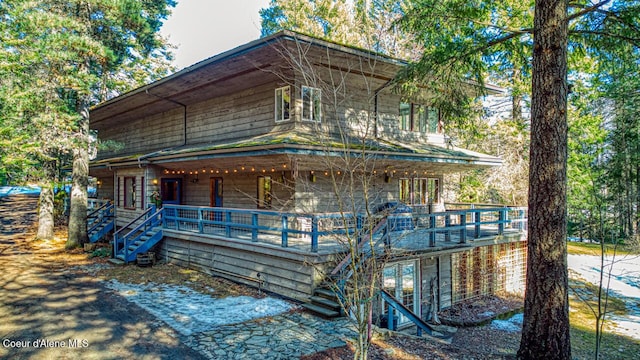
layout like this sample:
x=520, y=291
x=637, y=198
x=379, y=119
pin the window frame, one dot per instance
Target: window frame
x=264, y=192
x=129, y=188
x=314, y=104
x=420, y=118
x=427, y=192
x=282, y=107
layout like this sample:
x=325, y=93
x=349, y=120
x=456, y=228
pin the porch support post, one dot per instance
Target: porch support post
x=227, y=225
x=463, y=229
x=390, y=323
x=285, y=231
x=501, y=220
x=477, y=218
x=432, y=230
x=521, y=222
x=447, y=224
x=314, y=234
x=254, y=227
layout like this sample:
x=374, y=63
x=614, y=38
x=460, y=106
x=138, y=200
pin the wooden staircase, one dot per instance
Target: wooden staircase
x=100, y=222
x=140, y=239
x=324, y=302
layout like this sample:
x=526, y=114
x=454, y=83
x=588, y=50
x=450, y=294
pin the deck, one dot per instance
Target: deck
x=326, y=233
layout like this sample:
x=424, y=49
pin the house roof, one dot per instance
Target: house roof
x=222, y=73
x=295, y=143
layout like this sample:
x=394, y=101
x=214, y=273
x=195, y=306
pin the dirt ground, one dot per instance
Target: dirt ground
x=51, y=309
x=46, y=296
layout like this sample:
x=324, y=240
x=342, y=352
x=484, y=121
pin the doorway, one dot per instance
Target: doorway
x=171, y=191
x=401, y=280
x=215, y=192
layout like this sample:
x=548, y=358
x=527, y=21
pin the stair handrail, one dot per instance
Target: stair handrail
x=117, y=237
x=368, y=236
x=109, y=214
x=95, y=211
x=392, y=302
x=152, y=220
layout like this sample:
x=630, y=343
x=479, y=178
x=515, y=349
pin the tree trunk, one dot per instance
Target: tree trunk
x=45, y=215
x=77, y=235
x=46, y=220
x=545, y=333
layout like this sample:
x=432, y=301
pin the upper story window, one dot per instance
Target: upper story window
x=311, y=104
x=420, y=118
x=283, y=103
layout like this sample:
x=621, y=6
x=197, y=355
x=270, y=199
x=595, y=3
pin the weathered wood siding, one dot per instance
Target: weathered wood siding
x=239, y=115
x=284, y=272
x=106, y=189
x=142, y=136
x=240, y=190
x=319, y=196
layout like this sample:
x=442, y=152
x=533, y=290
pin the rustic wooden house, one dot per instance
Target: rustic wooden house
x=242, y=166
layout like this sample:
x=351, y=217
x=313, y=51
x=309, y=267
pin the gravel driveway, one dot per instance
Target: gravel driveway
x=49, y=310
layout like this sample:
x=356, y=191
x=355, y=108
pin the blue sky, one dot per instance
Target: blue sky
x=203, y=28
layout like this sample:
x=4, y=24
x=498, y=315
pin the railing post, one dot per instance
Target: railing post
x=477, y=220
x=285, y=231
x=359, y=222
x=254, y=227
x=314, y=234
x=227, y=224
x=200, y=224
x=463, y=229
x=501, y=220
x=447, y=224
x=390, y=317
x=432, y=230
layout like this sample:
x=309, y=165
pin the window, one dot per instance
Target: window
x=419, y=191
x=311, y=105
x=420, y=118
x=405, y=191
x=283, y=101
x=264, y=192
x=130, y=192
x=405, y=116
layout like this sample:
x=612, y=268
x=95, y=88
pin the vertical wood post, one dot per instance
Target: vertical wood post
x=254, y=227
x=227, y=225
x=463, y=229
x=447, y=224
x=477, y=219
x=314, y=234
x=285, y=231
x=432, y=230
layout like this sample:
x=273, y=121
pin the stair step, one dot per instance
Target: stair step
x=116, y=261
x=322, y=301
x=320, y=310
x=325, y=293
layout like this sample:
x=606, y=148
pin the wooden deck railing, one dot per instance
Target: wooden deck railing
x=311, y=230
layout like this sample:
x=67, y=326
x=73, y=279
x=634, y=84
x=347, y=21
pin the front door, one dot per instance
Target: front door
x=171, y=191
x=215, y=192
